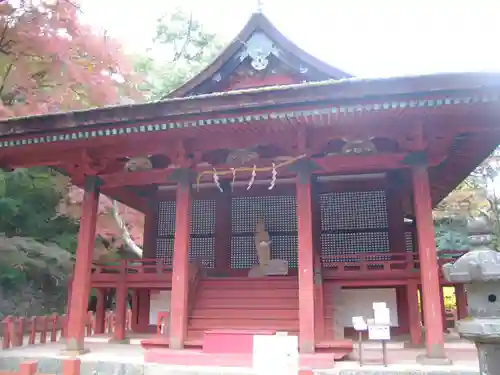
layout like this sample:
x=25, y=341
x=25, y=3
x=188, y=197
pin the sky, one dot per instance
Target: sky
x=367, y=38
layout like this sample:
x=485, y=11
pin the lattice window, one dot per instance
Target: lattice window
x=203, y=217
x=165, y=250
x=409, y=242
x=354, y=222
x=243, y=252
x=285, y=248
x=166, y=218
x=353, y=210
x=279, y=213
x=280, y=217
x=203, y=250
x=202, y=242
x=351, y=243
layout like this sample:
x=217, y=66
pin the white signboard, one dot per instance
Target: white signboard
x=359, y=323
x=275, y=354
x=382, y=316
x=379, y=332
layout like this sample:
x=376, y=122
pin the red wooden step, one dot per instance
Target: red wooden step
x=251, y=293
x=224, y=303
x=239, y=313
x=258, y=324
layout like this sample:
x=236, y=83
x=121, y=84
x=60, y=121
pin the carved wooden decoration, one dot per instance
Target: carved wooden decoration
x=138, y=164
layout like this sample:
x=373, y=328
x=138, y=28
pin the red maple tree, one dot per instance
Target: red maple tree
x=51, y=61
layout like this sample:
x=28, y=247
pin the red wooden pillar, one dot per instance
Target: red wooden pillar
x=223, y=229
x=402, y=308
x=142, y=298
x=413, y=313
x=461, y=301
x=395, y=213
x=80, y=290
x=121, y=305
x=180, y=279
x=429, y=273
x=318, y=266
x=305, y=262
x=100, y=311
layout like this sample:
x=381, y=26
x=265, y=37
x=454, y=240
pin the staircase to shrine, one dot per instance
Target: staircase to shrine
x=242, y=303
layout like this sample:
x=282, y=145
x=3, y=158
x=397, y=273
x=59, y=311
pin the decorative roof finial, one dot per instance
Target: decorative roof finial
x=260, y=5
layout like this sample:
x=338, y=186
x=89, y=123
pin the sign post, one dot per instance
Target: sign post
x=379, y=328
x=359, y=324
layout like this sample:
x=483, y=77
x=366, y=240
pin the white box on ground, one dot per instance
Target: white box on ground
x=275, y=354
x=359, y=323
x=379, y=332
x=379, y=305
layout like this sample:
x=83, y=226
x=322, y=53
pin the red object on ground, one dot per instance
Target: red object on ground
x=225, y=341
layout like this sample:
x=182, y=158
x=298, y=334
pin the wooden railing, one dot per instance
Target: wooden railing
x=69, y=367
x=131, y=266
x=365, y=264
x=19, y=331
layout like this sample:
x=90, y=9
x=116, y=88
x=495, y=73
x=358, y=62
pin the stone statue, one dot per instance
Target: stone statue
x=266, y=266
x=262, y=243
x=479, y=269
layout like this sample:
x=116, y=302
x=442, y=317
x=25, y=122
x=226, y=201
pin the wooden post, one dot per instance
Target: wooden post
x=100, y=310
x=461, y=301
x=395, y=213
x=180, y=277
x=429, y=272
x=305, y=262
x=149, y=248
x=319, y=307
x=223, y=229
x=402, y=309
x=121, y=305
x=81, y=278
x=413, y=313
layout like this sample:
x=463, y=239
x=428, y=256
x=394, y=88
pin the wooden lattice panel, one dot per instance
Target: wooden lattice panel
x=165, y=250
x=352, y=223
x=243, y=252
x=203, y=216
x=409, y=242
x=280, y=217
x=279, y=213
x=202, y=242
x=203, y=249
x=166, y=218
x=353, y=210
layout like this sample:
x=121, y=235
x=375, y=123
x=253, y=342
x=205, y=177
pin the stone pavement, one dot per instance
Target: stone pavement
x=120, y=359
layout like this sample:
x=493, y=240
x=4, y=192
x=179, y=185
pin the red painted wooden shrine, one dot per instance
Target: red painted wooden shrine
x=358, y=166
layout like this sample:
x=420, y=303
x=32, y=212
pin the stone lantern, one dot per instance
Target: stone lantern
x=479, y=270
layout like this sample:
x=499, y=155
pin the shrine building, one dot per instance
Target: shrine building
x=280, y=194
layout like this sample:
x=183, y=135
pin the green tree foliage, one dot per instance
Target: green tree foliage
x=28, y=207
x=181, y=49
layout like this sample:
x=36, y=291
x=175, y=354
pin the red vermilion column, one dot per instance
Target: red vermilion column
x=143, y=299
x=413, y=313
x=429, y=272
x=461, y=301
x=121, y=305
x=305, y=263
x=402, y=309
x=180, y=280
x=78, y=305
x=100, y=311
x=223, y=229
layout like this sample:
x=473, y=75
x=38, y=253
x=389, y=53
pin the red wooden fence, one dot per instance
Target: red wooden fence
x=69, y=367
x=43, y=329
